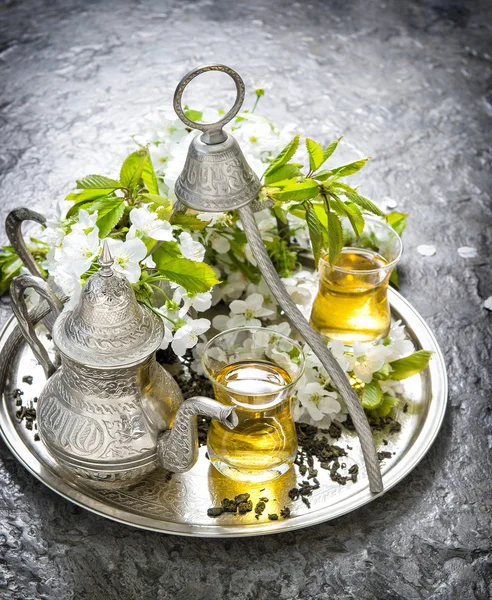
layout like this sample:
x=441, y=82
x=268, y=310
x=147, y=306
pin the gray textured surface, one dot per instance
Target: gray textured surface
x=406, y=82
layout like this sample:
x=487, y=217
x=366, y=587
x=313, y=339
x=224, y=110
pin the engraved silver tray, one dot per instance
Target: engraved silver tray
x=179, y=505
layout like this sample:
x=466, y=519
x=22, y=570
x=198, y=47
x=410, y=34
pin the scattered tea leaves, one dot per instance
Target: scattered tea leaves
x=285, y=512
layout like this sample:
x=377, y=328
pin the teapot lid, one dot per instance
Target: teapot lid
x=108, y=327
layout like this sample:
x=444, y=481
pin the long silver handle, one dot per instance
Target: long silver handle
x=17, y=288
x=316, y=343
x=13, y=228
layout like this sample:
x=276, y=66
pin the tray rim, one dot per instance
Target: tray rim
x=363, y=497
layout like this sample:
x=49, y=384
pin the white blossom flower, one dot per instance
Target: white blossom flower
x=127, y=256
x=232, y=289
x=218, y=241
x=168, y=336
x=268, y=298
x=147, y=222
x=54, y=231
x=367, y=359
x=197, y=352
x=70, y=284
x=298, y=293
x=282, y=359
x=399, y=345
x=85, y=221
x=248, y=253
x=200, y=302
x=312, y=361
x=391, y=387
x=191, y=249
x=79, y=250
x=187, y=335
x=163, y=135
x=175, y=163
x=213, y=219
x=299, y=230
x=149, y=262
x=221, y=322
x=338, y=350
x=248, y=312
x=318, y=401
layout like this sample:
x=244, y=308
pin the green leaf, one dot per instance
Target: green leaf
x=189, y=222
x=335, y=237
x=94, y=182
x=157, y=199
x=384, y=409
x=166, y=251
x=410, y=365
x=193, y=115
x=281, y=215
x=10, y=266
x=110, y=211
x=349, y=169
x=282, y=173
x=328, y=151
x=343, y=186
x=322, y=175
x=364, y=203
x=84, y=204
x=297, y=191
x=282, y=183
x=316, y=155
x=397, y=220
x=372, y=395
x=283, y=258
x=355, y=217
x=349, y=210
x=89, y=194
x=132, y=168
x=194, y=276
x=384, y=371
x=284, y=156
x=148, y=176
x=315, y=233
x=394, y=279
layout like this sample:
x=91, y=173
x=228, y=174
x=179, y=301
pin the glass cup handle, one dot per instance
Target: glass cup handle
x=19, y=307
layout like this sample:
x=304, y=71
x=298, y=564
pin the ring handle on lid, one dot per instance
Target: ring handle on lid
x=212, y=132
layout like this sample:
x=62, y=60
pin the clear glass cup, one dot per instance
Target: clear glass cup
x=254, y=369
x=352, y=300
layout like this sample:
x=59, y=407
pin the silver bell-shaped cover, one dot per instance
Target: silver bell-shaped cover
x=216, y=176
x=108, y=327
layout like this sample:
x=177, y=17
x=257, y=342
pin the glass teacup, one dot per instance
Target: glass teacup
x=254, y=369
x=352, y=300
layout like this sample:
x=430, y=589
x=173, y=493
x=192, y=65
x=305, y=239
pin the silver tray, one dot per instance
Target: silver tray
x=179, y=505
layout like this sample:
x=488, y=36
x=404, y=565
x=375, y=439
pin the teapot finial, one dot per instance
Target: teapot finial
x=106, y=261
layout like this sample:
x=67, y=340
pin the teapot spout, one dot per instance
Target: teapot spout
x=177, y=448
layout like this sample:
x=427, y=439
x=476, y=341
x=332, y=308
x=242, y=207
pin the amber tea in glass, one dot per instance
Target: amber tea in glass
x=352, y=303
x=254, y=370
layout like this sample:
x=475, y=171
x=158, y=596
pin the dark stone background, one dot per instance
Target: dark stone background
x=406, y=82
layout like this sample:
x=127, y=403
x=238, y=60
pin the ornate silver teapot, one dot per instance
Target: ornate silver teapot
x=110, y=413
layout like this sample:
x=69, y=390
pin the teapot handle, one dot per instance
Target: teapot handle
x=13, y=225
x=19, y=307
